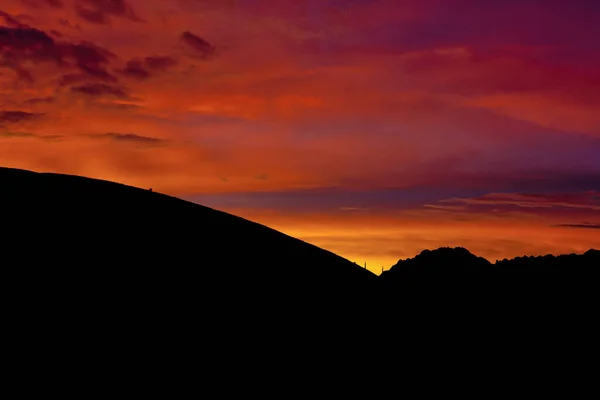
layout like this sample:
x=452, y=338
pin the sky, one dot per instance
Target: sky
x=372, y=128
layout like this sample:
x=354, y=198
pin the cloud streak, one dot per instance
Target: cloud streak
x=129, y=138
x=17, y=116
x=580, y=226
x=586, y=200
x=100, y=89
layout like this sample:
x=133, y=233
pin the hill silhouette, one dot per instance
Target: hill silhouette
x=447, y=262
x=131, y=274
x=108, y=235
x=453, y=279
x=444, y=260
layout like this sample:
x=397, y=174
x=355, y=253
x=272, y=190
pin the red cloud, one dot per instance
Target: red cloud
x=100, y=89
x=141, y=68
x=100, y=11
x=24, y=43
x=41, y=3
x=16, y=116
x=160, y=62
x=201, y=46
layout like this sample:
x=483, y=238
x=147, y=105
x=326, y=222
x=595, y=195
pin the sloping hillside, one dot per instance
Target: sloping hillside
x=122, y=276
x=129, y=282
x=103, y=237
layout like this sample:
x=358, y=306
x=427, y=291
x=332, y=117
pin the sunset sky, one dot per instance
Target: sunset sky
x=372, y=128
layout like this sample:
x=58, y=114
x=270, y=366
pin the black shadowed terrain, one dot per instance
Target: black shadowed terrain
x=451, y=273
x=95, y=235
x=112, y=267
x=127, y=243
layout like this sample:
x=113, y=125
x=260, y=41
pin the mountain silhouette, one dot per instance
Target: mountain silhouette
x=451, y=279
x=444, y=260
x=459, y=265
x=447, y=262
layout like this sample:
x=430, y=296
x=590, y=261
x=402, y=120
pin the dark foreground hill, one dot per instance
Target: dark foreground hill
x=115, y=272
x=121, y=279
x=95, y=235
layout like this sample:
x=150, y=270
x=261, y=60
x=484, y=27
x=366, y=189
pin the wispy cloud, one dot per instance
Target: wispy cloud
x=130, y=138
x=585, y=200
x=29, y=135
x=581, y=226
x=100, y=89
x=17, y=116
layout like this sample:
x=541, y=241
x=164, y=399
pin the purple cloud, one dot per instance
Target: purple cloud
x=579, y=226
x=135, y=69
x=141, y=69
x=127, y=137
x=100, y=11
x=24, y=43
x=202, y=47
x=17, y=116
x=100, y=89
